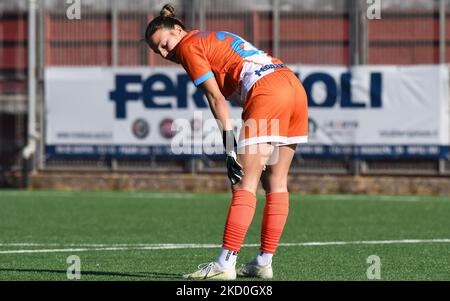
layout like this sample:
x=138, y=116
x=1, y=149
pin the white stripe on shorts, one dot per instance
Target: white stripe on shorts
x=276, y=140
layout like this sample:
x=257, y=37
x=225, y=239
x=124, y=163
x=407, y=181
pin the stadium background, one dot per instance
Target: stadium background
x=321, y=32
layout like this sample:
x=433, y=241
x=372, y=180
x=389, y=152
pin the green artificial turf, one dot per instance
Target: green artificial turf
x=124, y=235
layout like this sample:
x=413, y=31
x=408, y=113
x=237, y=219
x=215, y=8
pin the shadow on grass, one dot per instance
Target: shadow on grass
x=151, y=275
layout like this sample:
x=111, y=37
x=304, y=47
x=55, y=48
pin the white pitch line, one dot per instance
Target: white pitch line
x=124, y=195
x=374, y=198
x=162, y=247
x=191, y=195
x=99, y=245
x=367, y=242
x=122, y=247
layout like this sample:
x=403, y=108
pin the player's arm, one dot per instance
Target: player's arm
x=219, y=108
x=217, y=103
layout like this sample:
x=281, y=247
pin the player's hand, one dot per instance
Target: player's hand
x=235, y=170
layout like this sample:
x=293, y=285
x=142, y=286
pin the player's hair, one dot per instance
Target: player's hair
x=166, y=19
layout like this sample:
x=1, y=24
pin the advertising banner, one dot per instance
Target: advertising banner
x=363, y=111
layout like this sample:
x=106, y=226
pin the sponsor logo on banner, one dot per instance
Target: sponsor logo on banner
x=166, y=128
x=140, y=128
x=338, y=92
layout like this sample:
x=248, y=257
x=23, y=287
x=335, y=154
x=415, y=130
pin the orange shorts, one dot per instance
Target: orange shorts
x=276, y=111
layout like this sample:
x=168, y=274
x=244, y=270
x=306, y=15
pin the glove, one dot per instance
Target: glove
x=234, y=169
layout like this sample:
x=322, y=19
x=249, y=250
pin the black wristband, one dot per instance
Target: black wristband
x=229, y=143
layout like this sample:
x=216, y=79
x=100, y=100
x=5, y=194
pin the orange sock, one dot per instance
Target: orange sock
x=274, y=218
x=239, y=218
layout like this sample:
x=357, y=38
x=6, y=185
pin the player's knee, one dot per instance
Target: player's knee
x=276, y=182
x=246, y=185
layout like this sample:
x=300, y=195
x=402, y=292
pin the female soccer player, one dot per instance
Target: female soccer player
x=275, y=116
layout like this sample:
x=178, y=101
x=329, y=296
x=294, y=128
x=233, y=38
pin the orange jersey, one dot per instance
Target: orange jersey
x=235, y=63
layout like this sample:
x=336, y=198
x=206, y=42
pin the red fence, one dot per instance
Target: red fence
x=318, y=38
x=13, y=53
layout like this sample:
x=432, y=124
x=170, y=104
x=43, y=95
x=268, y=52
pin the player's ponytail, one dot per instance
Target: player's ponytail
x=167, y=11
x=166, y=19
